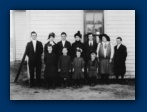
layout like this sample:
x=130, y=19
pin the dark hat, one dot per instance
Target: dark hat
x=51, y=34
x=78, y=34
x=105, y=35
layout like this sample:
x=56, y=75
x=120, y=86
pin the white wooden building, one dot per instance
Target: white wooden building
x=112, y=22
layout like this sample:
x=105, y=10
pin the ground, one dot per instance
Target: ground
x=21, y=91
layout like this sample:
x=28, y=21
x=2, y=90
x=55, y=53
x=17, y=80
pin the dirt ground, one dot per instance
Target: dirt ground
x=21, y=91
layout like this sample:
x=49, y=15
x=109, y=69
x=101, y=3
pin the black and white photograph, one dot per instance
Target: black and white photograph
x=72, y=55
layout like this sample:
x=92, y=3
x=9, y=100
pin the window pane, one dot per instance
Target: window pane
x=89, y=18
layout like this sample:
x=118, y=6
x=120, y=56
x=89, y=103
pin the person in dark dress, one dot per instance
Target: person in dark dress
x=78, y=69
x=90, y=46
x=51, y=41
x=34, y=50
x=64, y=68
x=105, y=52
x=76, y=45
x=92, y=69
x=120, y=54
x=63, y=43
x=50, y=73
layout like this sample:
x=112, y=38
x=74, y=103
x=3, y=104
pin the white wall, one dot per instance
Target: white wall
x=20, y=36
x=57, y=21
x=122, y=23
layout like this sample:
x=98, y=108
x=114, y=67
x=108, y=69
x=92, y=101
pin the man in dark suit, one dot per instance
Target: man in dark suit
x=63, y=43
x=120, y=54
x=60, y=45
x=90, y=47
x=34, y=51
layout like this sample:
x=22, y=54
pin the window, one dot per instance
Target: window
x=93, y=22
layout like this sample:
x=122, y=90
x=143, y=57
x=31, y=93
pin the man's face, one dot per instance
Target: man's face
x=90, y=37
x=34, y=36
x=118, y=41
x=63, y=36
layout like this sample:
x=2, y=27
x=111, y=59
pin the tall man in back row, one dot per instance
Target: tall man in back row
x=34, y=50
x=120, y=59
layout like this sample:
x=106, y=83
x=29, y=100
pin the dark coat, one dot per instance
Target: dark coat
x=75, y=45
x=64, y=64
x=89, y=50
x=78, y=65
x=34, y=57
x=54, y=48
x=60, y=47
x=92, y=67
x=50, y=66
x=120, y=55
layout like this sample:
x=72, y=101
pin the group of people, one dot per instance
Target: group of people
x=77, y=64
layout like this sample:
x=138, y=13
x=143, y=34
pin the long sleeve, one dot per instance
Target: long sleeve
x=41, y=48
x=59, y=63
x=45, y=59
x=70, y=63
x=98, y=48
x=83, y=63
x=27, y=50
x=112, y=51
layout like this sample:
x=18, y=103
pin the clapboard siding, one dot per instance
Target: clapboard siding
x=57, y=21
x=122, y=23
x=20, y=33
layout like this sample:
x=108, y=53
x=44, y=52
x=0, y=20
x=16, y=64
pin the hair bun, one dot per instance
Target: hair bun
x=78, y=32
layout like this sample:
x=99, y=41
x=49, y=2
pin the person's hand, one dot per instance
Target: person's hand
x=59, y=70
x=73, y=69
x=97, y=71
x=82, y=69
x=69, y=70
x=110, y=60
x=87, y=70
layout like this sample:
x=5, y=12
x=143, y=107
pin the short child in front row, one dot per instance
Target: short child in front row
x=92, y=69
x=64, y=67
x=78, y=69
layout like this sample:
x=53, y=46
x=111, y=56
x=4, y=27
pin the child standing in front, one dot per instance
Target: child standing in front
x=50, y=72
x=92, y=69
x=64, y=67
x=78, y=69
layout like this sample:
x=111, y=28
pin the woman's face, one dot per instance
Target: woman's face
x=51, y=38
x=77, y=38
x=50, y=49
x=104, y=39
